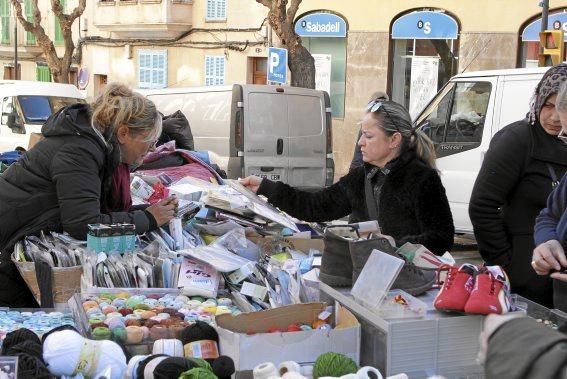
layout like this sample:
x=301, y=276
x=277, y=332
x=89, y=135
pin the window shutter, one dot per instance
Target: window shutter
x=152, y=70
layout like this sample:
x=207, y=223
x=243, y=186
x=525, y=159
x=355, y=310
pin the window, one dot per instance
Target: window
x=529, y=44
x=457, y=114
x=214, y=70
x=43, y=74
x=30, y=38
x=58, y=40
x=152, y=72
x=216, y=10
x=5, y=20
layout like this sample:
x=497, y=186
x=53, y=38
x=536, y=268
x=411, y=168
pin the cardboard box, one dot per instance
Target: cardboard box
x=34, y=138
x=249, y=350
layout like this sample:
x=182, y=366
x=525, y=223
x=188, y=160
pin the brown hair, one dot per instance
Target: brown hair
x=394, y=118
x=119, y=105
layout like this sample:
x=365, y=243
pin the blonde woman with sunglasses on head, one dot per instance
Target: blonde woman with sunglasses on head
x=79, y=174
x=398, y=184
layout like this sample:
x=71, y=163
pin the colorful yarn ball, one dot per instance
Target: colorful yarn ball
x=333, y=364
x=101, y=334
x=198, y=373
x=142, y=306
x=132, y=322
x=125, y=311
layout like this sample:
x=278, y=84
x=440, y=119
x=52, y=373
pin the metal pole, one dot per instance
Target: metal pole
x=544, y=14
x=16, y=49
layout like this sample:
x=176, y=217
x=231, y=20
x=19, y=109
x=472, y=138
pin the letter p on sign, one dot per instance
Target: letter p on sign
x=277, y=65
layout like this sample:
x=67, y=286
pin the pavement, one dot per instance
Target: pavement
x=465, y=250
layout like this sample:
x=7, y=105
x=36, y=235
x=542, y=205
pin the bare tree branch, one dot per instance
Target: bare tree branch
x=292, y=10
x=78, y=11
x=19, y=15
x=266, y=3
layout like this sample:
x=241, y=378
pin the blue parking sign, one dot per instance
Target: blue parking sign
x=277, y=65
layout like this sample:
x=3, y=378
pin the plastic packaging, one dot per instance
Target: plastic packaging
x=400, y=304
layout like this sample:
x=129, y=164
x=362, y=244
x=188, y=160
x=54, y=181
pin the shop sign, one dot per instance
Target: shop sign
x=320, y=25
x=557, y=21
x=425, y=25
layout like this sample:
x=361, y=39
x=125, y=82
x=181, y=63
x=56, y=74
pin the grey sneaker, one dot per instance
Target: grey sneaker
x=336, y=265
x=411, y=279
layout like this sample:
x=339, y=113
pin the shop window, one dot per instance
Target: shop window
x=152, y=70
x=426, y=50
x=529, y=44
x=324, y=35
x=457, y=114
x=5, y=21
x=214, y=70
x=216, y=10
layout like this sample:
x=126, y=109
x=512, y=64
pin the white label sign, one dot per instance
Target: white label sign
x=323, y=72
x=424, y=75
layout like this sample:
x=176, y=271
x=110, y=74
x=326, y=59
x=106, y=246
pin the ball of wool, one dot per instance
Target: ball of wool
x=29, y=347
x=98, y=325
x=109, y=309
x=134, y=334
x=182, y=298
x=62, y=352
x=133, y=301
x=101, y=334
x=30, y=366
x=132, y=316
x=175, y=331
x=17, y=336
x=172, y=367
x=90, y=304
x=144, y=362
x=200, y=299
x=125, y=311
x=123, y=295
x=223, y=367
x=115, y=323
x=147, y=315
x=144, y=307
x=198, y=332
x=119, y=303
x=97, y=320
x=150, y=323
x=333, y=364
x=113, y=315
x=198, y=362
x=169, y=311
x=197, y=373
x=146, y=331
x=158, y=332
x=119, y=334
x=150, y=302
x=108, y=296
x=93, y=311
x=154, y=296
x=132, y=322
x=57, y=329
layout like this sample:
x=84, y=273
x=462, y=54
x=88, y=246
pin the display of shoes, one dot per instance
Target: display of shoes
x=458, y=284
x=491, y=292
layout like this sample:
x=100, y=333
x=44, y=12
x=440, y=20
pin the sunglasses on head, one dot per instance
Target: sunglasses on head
x=375, y=105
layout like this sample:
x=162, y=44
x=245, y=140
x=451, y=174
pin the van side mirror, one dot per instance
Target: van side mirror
x=12, y=123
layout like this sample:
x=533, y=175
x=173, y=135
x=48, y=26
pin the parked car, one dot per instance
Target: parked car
x=280, y=133
x=25, y=105
x=462, y=118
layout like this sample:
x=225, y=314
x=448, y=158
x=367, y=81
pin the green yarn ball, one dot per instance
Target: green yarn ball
x=198, y=373
x=119, y=334
x=101, y=333
x=201, y=363
x=144, y=307
x=108, y=296
x=333, y=364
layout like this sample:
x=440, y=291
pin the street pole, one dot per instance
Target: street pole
x=544, y=14
x=16, y=48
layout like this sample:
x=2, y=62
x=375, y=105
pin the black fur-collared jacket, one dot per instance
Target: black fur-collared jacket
x=413, y=206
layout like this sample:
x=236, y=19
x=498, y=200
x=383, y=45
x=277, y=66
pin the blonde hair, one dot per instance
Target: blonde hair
x=119, y=105
x=394, y=118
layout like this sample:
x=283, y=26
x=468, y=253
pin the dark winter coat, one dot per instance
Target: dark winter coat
x=59, y=185
x=511, y=189
x=523, y=349
x=412, y=206
x=551, y=224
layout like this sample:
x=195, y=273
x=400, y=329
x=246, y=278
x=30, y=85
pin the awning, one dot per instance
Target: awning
x=425, y=25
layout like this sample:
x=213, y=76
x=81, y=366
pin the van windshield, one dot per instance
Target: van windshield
x=37, y=109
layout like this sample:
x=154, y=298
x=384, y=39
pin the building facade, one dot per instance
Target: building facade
x=408, y=48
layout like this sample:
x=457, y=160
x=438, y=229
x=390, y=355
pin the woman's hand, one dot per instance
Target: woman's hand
x=251, y=182
x=164, y=210
x=549, y=256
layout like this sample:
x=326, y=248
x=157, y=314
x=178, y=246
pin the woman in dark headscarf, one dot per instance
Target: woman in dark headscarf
x=524, y=162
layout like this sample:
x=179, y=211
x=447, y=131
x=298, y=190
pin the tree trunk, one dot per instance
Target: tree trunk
x=302, y=67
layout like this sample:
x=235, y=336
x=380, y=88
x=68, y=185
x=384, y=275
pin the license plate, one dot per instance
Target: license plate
x=274, y=177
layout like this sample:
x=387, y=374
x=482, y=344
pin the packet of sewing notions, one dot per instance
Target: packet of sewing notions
x=58, y=250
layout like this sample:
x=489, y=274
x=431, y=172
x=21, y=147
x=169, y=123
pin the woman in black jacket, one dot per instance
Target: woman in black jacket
x=524, y=162
x=79, y=174
x=398, y=184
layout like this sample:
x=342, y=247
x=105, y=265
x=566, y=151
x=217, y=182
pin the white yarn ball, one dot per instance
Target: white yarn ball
x=62, y=351
x=293, y=375
x=265, y=370
x=133, y=366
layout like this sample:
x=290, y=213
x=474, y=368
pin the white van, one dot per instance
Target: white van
x=280, y=133
x=26, y=105
x=462, y=118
